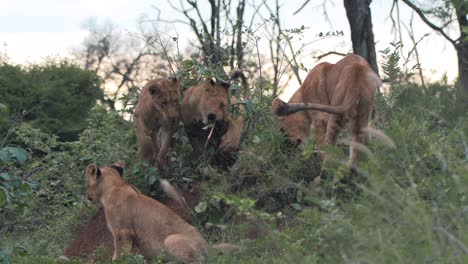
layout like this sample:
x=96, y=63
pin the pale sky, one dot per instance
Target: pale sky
x=31, y=30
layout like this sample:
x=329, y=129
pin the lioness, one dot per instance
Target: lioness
x=207, y=103
x=155, y=118
x=345, y=90
x=136, y=220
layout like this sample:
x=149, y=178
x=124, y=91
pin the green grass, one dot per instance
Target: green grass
x=405, y=205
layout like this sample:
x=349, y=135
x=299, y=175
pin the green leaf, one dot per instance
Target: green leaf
x=256, y=139
x=6, y=154
x=3, y=108
x=299, y=196
x=24, y=187
x=5, y=176
x=4, y=256
x=3, y=196
x=296, y=206
x=151, y=179
x=201, y=207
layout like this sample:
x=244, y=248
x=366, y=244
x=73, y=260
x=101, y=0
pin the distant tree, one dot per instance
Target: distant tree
x=220, y=34
x=121, y=60
x=54, y=97
x=360, y=21
x=440, y=15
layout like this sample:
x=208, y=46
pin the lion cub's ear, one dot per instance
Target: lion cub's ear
x=118, y=167
x=177, y=82
x=210, y=81
x=279, y=107
x=154, y=90
x=93, y=171
x=226, y=85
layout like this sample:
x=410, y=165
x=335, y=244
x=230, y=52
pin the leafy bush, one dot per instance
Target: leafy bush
x=402, y=205
x=54, y=97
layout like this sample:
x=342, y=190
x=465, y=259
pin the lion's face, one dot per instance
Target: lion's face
x=295, y=127
x=96, y=176
x=164, y=96
x=213, y=102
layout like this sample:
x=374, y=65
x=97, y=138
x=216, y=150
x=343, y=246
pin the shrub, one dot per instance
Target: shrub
x=55, y=97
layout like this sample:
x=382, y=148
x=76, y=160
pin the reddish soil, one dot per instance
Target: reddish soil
x=89, y=236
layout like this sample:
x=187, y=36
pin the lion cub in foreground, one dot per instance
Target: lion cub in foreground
x=136, y=220
x=156, y=116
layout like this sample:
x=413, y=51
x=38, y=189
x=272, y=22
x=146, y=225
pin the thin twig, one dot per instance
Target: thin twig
x=209, y=136
x=452, y=238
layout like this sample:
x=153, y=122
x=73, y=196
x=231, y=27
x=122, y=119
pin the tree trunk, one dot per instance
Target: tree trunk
x=462, y=53
x=362, y=37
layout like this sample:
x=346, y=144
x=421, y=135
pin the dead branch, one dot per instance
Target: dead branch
x=330, y=53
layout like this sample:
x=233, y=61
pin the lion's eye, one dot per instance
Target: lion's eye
x=221, y=105
x=164, y=103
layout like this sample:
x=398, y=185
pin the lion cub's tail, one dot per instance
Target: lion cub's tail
x=226, y=247
x=238, y=73
x=172, y=192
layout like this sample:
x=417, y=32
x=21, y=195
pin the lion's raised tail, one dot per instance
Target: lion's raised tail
x=281, y=108
x=238, y=73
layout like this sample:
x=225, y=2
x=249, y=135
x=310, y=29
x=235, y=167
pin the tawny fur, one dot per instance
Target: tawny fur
x=140, y=222
x=346, y=89
x=208, y=102
x=155, y=118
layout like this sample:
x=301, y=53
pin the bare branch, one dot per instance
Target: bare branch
x=302, y=6
x=429, y=23
x=330, y=53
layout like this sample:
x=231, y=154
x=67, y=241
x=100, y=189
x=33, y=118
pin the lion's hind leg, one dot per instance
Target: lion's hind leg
x=184, y=248
x=335, y=124
x=358, y=134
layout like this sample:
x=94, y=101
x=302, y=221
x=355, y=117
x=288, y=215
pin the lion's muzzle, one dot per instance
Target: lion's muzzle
x=211, y=118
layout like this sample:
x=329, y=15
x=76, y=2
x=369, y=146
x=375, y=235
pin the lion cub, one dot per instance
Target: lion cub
x=155, y=118
x=208, y=104
x=136, y=220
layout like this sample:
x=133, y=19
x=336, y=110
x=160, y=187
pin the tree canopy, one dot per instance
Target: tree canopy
x=55, y=97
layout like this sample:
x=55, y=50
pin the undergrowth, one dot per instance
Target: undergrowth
x=406, y=204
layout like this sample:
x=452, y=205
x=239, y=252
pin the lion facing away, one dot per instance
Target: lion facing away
x=140, y=222
x=331, y=95
x=207, y=104
x=155, y=118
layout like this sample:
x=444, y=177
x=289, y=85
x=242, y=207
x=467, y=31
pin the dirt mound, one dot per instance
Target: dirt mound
x=89, y=236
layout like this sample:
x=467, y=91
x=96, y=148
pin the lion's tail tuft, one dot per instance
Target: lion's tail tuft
x=238, y=73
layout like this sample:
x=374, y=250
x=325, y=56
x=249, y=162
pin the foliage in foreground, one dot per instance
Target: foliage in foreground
x=404, y=205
